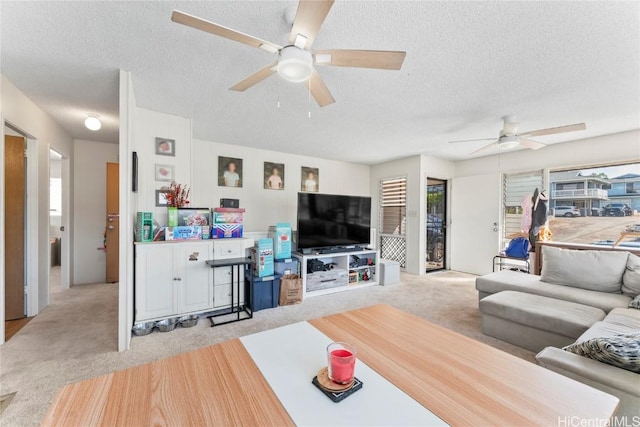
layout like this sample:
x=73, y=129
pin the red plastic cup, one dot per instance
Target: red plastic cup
x=341, y=359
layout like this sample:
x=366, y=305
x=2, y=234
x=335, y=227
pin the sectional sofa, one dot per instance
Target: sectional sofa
x=573, y=314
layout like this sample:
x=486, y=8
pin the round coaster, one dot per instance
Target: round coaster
x=328, y=385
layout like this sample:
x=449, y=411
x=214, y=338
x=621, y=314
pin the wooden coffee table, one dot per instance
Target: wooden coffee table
x=461, y=381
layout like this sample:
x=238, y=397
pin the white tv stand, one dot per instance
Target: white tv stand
x=337, y=279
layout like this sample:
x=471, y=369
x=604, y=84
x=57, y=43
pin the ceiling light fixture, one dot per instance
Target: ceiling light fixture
x=508, y=142
x=295, y=64
x=92, y=122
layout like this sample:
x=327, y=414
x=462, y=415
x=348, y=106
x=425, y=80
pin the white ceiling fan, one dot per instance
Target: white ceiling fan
x=296, y=61
x=509, y=136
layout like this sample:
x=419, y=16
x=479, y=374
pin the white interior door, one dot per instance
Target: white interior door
x=475, y=222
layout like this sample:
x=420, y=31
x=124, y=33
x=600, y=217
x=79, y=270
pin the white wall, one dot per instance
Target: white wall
x=147, y=126
x=603, y=150
x=23, y=114
x=416, y=169
x=89, y=194
x=266, y=207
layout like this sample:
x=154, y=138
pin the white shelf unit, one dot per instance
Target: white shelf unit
x=336, y=279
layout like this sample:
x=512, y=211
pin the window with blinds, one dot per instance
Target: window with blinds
x=516, y=187
x=393, y=206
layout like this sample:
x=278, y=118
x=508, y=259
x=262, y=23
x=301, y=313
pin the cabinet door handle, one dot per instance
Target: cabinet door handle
x=178, y=279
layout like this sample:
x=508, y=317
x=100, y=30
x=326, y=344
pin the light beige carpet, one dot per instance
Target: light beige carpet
x=75, y=337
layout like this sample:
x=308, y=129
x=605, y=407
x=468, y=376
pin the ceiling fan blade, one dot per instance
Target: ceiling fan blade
x=560, y=129
x=309, y=18
x=380, y=59
x=486, y=147
x=219, y=30
x=531, y=144
x=255, y=78
x=472, y=140
x=319, y=90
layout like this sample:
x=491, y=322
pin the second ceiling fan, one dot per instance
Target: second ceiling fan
x=296, y=61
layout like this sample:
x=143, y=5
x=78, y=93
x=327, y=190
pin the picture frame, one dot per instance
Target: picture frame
x=274, y=176
x=165, y=173
x=161, y=198
x=309, y=179
x=166, y=147
x=229, y=172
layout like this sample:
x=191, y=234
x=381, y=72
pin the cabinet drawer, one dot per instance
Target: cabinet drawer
x=222, y=295
x=230, y=248
x=222, y=275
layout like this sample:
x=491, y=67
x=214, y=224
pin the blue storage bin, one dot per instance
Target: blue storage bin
x=266, y=291
x=281, y=265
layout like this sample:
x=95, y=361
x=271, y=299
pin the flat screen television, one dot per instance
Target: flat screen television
x=327, y=220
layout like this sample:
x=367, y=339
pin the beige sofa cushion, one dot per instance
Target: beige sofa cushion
x=625, y=317
x=507, y=280
x=600, y=271
x=631, y=277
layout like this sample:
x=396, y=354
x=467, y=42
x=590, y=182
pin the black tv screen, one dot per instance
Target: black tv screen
x=326, y=220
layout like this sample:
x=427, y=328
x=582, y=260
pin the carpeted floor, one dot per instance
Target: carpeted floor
x=75, y=337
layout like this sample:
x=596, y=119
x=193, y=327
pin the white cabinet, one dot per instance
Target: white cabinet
x=348, y=270
x=228, y=249
x=173, y=279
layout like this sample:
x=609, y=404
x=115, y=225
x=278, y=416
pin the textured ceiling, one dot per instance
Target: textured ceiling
x=467, y=64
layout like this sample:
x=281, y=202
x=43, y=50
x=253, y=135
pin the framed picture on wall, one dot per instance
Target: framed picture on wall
x=165, y=147
x=229, y=172
x=161, y=198
x=273, y=176
x=310, y=179
x=165, y=172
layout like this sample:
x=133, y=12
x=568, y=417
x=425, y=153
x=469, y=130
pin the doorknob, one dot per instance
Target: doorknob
x=110, y=227
x=62, y=228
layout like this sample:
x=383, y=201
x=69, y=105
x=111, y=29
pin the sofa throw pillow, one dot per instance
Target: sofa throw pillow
x=635, y=303
x=622, y=351
x=631, y=278
x=593, y=270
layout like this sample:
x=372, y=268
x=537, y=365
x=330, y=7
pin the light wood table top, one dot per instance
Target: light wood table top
x=216, y=385
x=463, y=381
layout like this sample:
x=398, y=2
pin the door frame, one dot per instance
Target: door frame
x=445, y=222
x=32, y=224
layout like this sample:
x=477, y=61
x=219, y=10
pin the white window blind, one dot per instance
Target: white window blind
x=516, y=187
x=393, y=205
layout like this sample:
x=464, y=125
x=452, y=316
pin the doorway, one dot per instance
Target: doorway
x=56, y=216
x=15, y=232
x=436, y=224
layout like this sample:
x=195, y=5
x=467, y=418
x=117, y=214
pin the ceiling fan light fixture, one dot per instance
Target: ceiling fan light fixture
x=295, y=64
x=92, y=122
x=508, y=142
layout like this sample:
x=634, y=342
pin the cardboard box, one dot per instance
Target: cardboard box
x=262, y=255
x=193, y=232
x=228, y=216
x=194, y=216
x=281, y=235
x=226, y=231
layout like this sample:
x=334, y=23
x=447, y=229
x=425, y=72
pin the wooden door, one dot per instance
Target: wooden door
x=14, y=217
x=112, y=228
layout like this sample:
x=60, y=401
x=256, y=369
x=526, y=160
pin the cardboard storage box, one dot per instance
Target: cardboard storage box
x=144, y=227
x=194, y=216
x=193, y=232
x=226, y=231
x=281, y=235
x=228, y=216
x=262, y=255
